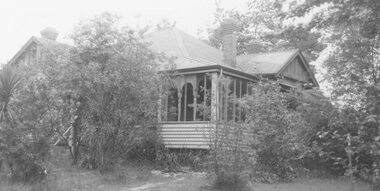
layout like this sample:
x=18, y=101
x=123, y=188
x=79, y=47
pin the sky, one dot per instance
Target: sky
x=22, y=19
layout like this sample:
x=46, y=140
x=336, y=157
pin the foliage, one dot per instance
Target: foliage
x=225, y=182
x=265, y=24
x=172, y=160
x=146, y=149
x=104, y=89
x=328, y=139
x=351, y=60
x=23, y=153
x=117, y=89
x=268, y=143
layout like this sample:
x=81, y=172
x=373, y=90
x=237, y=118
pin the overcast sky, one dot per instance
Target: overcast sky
x=21, y=19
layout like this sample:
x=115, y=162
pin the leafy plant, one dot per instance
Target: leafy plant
x=267, y=144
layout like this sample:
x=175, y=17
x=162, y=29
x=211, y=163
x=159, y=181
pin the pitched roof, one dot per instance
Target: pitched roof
x=265, y=63
x=194, y=53
x=189, y=51
x=51, y=43
x=46, y=43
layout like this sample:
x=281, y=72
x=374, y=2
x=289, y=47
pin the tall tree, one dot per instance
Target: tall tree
x=264, y=24
x=351, y=30
x=118, y=86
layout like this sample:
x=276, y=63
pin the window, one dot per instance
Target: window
x=172, y=105
x=203, y=98
x=230, y=90
x=187, y=103
x=191, y=102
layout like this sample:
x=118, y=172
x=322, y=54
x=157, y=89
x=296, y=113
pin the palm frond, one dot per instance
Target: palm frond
x=10, y=82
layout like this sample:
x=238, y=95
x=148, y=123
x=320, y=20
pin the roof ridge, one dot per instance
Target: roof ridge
x=180, y=44
x=272, y=52
x=39, y=39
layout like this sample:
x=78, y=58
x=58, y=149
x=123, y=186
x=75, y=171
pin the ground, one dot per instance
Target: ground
x=144, y=177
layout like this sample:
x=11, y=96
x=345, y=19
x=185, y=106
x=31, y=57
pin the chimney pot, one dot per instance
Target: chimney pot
x=49, y=33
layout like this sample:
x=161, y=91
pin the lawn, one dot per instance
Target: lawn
x=143, y=177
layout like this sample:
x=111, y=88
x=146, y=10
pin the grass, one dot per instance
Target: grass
x=313, y=184
x=138, y=177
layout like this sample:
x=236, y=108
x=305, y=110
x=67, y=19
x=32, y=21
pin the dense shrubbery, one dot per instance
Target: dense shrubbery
x=146, y=149
x=105, y=89
x=25, y=158
x=266, y=146
x=172, y=160
x=286, y=132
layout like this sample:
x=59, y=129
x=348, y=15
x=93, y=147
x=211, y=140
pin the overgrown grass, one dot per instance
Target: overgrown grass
x=312, y=184
x=70, y=179
x=64, y=177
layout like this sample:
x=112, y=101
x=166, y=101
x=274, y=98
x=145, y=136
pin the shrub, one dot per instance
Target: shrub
x=267, y=143
x=145, y=149
x=173, y=159
x=27, y=163
x=227, y=182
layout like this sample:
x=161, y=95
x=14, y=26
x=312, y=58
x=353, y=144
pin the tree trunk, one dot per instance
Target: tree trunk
x=75, y=145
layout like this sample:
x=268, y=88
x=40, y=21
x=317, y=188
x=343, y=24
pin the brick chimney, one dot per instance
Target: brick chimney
x=228, y=27
x=49, y=33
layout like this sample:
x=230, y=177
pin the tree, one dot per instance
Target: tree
x=265, y=25
x=118, y=87
x=105, y=89
x=350, y=30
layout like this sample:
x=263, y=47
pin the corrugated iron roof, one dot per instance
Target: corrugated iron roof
x=188, y=51
x=265, y=63
x=191, y=53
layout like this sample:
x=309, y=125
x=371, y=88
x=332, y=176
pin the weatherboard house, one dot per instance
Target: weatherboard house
x=198, y=87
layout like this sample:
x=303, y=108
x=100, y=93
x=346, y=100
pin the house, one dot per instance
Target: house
x=197, y=85
x=201, y=66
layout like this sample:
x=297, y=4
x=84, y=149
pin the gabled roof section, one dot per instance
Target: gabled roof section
x=272, y=63
x=265, y=63
x=46, y=43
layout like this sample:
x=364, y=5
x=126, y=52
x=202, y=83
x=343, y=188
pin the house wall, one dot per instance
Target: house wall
x=194, y=135
x=296, y=71
x=197, y=134
x=29, y=56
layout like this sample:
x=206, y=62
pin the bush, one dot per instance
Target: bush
x=173, y=159
x=27, y=163
x=268, y=143
x=25, y=169
x=146, y=149
x=227, y=182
